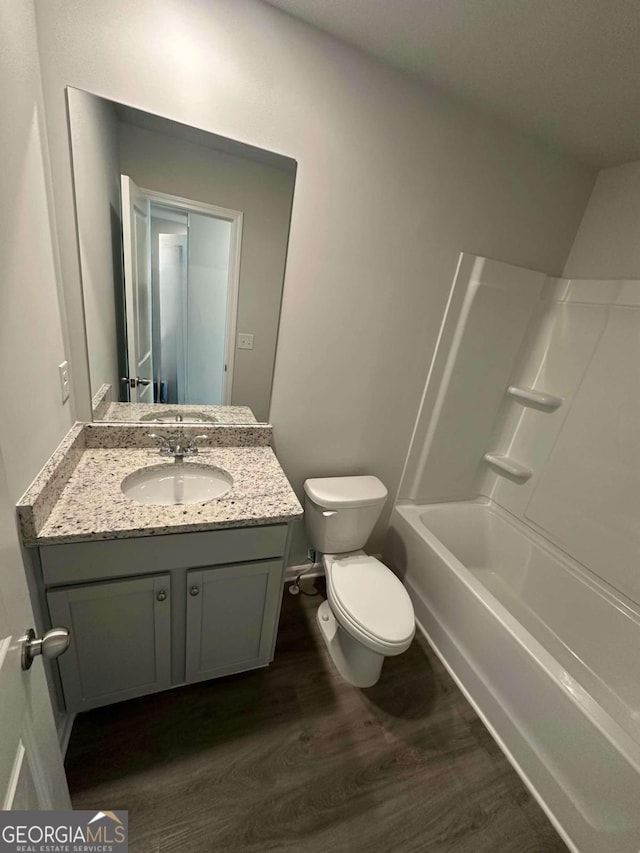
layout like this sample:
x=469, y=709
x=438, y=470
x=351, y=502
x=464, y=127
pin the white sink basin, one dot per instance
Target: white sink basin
x=172, y=416
x=176, y=483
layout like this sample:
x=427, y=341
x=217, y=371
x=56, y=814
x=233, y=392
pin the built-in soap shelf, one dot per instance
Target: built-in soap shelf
x=534, y=398
x=508, y=467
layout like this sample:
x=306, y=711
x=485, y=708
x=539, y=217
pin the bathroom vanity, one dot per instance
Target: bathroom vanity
x=157, y=596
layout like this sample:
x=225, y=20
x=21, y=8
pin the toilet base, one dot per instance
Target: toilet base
x=357, y=664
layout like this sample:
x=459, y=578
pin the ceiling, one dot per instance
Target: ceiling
x=564, y=71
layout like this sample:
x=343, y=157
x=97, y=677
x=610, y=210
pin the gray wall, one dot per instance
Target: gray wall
x=607, y=244
x=33, y=419
x=263, y=193
x=393, y=181
x=32, y=416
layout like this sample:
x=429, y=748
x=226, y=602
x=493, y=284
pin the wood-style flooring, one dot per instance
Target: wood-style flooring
x=291, y=758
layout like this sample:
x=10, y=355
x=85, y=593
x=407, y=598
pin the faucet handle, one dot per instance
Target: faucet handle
x=166, y=446
x=191, y=447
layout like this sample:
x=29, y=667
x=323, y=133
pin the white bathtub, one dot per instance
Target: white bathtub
x=549, y=659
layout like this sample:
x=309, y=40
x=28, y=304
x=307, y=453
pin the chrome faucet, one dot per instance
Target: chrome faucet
x=173, y=446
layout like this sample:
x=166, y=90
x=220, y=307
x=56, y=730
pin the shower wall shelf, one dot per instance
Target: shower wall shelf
x=508, y=467
x=537, y=399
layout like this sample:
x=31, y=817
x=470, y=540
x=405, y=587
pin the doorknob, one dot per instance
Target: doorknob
x=51, y=645
x=134, y=381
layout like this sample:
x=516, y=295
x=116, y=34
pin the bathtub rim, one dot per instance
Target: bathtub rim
x=613, y=596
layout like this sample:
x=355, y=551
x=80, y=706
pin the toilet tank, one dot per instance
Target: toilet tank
x=341, y=512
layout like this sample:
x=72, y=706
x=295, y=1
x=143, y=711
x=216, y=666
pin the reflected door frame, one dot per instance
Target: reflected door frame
x=235, y=217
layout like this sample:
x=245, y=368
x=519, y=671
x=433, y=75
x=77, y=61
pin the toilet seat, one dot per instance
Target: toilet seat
x=370, y=602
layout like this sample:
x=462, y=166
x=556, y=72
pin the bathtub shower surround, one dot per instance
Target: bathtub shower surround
x=516, y=533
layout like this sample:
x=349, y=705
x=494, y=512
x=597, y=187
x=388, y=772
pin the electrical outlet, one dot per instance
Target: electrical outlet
x=63, y=373
x=245, y=341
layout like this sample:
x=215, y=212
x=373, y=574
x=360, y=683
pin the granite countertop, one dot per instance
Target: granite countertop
x=78, y=497
x=106, y=409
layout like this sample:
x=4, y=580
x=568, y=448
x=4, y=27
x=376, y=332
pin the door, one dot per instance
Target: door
x=136, y=240
x=210, y=281
x=232, y=617
x=209, y=332
x=31, y=771
x=122, y=639
x=172, y=299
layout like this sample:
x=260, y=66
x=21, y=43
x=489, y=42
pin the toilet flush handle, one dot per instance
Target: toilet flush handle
x=329, y=512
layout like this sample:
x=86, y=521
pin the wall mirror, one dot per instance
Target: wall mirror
x=182, y=238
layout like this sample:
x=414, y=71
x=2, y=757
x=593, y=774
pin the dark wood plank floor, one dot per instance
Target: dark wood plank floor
x=293, y=759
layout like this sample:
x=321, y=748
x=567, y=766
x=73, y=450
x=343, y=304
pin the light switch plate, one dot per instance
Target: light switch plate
x=63, y=373
x=245, y=341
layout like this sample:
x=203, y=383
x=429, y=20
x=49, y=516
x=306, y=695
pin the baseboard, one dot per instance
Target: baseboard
x=65, y=727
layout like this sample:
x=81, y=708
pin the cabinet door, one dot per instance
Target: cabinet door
x=120, y=639
x=232, y=617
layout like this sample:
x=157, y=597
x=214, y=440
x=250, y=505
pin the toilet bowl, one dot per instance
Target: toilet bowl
x=368, y=614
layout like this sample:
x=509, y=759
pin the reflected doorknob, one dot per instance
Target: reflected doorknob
x=135, y=381
x=51, y=645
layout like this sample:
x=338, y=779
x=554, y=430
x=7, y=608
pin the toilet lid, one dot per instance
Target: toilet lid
x=373, y=598
x=341, y=492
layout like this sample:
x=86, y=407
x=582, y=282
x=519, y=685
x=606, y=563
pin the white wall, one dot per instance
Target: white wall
x=607, y=244
x=393, y=181
x=94, y=131
x=263, y=193
x=32, y=417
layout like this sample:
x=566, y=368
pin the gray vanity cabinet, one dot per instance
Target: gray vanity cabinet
x=232, y=614
x=148, y=613
x=121, y=634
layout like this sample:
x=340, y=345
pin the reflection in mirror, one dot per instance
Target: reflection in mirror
x=182, y=237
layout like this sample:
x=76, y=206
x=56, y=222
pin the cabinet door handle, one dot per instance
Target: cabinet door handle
x=162, y=595
x=194, y=590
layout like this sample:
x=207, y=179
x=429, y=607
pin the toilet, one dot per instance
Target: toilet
x=368, y=614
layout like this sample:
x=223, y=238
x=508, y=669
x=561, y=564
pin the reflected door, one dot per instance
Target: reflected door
x=137, y=277
x=170, y=357
x=195, y=254
x=211, y=305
